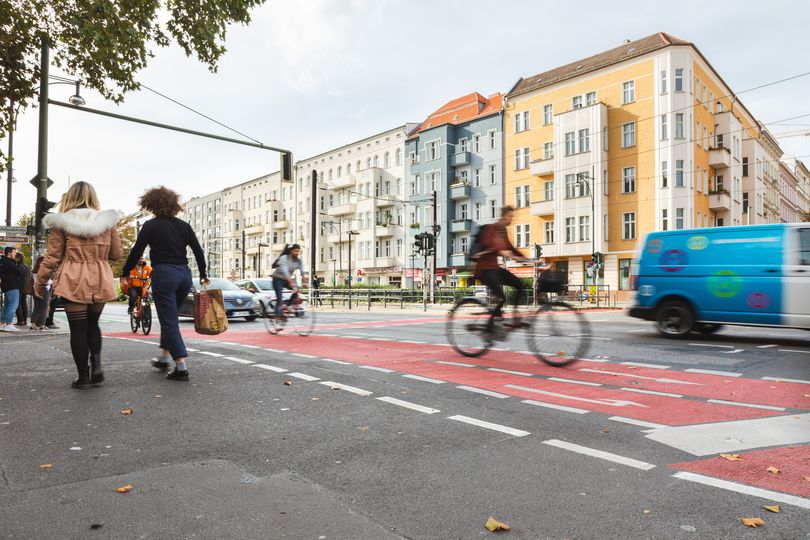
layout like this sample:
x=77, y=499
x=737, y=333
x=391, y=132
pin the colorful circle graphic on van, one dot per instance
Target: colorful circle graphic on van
x=758, y=300
x=655, y=245
x=725, y=284
x=673, y=260
x=697, y=242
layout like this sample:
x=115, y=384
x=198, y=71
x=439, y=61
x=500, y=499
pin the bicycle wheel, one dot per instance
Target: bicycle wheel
x=146, y=319
x=558, y=334
x=271, y=324
x=301, y=318
x=468, y=327
x=134, y=323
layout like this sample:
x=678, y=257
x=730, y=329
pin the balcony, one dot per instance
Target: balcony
x=347, y=180
x=542, y=167
x=384, y=200
x=719, y=158
x=543, y=208
x=372, y=174
x=719, y=200
x=460, y=190
x=385, y=230
x=281, y=224
x=342, y=209
x=335, y=238
x=460, y=158
x=277, y=247
x=457, y=259
x=384, y=262
x=255, y=229
x=460, y=225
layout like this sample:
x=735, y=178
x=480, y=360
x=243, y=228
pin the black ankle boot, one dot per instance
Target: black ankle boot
x=83, y=380
x=96, y=375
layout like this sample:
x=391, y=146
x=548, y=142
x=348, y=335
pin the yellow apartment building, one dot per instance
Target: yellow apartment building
x=643, y=137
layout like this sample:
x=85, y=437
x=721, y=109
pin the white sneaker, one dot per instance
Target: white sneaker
x=10, y=328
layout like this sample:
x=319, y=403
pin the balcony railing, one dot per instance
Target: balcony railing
x=460, y=190
x=719, y=200
x=342, y=209
x=385, y=230
x=460, y=158
x=281, y=224
x=347, y=180
x=542, y=167
x=543, y=208
x=457, y=259
x=460, y=225
x=719, y=158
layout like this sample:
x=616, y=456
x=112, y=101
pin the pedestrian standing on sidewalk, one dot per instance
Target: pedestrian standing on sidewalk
x=11, y=282
x=41, y=305
x=82, y=242
x=26, y=291
x=168, y=238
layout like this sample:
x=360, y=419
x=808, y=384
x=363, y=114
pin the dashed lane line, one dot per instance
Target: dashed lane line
x=408, y=405
x=651, y=392
x=642, y=364
x=712, y=345
x=277, y=351
x=459, y=364
x=303, y=376
x=635, y=422
x=744, y=489
x=489, y=425
x=239, y=360
x=780, y=379
x=714, y=372
x=489, y=393
x=572, y=381
x=375, y=368
x=338, y=386
x=332, y=361
x=555, y=406
x=301, y=355
x=511, y=372
x=189, y=349
x=615, y=458
x=270, y=368
x=209, y=353
x=423, y=379
x=794, y=350
x=250, y=346
x=767, y=346
x=749, y=405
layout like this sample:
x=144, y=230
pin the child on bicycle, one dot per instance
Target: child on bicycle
x=138, y=281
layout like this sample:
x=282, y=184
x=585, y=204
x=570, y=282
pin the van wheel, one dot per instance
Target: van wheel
x=708, y=328
x=674, y=319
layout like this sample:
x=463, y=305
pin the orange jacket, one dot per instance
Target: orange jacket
x=139, y=276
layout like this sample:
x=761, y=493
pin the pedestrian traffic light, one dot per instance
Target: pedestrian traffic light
x=538, y=251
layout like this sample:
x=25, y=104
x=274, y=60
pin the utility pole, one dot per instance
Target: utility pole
x=42, y=149
x=10, y=178
x=436, y=229
x=313, y=242
x=243, y=253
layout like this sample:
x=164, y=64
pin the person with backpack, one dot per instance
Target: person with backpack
x=284, y=268
x=491, y=242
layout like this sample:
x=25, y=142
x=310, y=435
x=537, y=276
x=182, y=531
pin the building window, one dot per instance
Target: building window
x=576, y=102
x=664, y=127
x=462, y=211
x=521, y=121
x=570, y=230
x=548, y=190
x=628, y=135
x=679, y=79
x=679, y=125
x=584, y=228
x=664, y=174
x=628, y=179
x=584, y=140
x=679, y=218
x=548, y=115
x=386, y=160
x=570, y=143
x=590, y=98
x=628, y=92
x=663, y=81
x=397, y=159
x=521, y=158
x=493, y=209
x=624, y=270
x=492, y=174
x=432, y=151
x=678, y=173
x=745, y=166
x=477, y=215
x=492, y=135
x=697, y=177
x=548, y=150
x=629, y=226
x=664, y=219
x=476, y=146
x=522, y=235
x=522, y=196
x=462, y=145
x=549, y=232
x=477, y=177
x=399, y=247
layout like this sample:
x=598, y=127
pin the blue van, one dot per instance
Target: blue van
x=700, y=279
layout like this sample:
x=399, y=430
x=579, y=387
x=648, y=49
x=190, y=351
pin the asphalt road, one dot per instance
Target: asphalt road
x=385, y=432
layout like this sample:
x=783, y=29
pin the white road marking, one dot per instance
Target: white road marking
x=510, y=372
x=415, y=342
x=378, y=339
x=270, y=368
x=780, y=379
x=189, y=349
x=766, y=346
x=482, y=391
x=651, y=392
x=303, y=376
x=300, y=355
x=341, y=362
x=375, y=368
x=499, y=349
x=408, y=405
x=602, y=338
x=774, y=496
x=717, y=437
x=604, y=401
x=656, y=379
x=329, y=335
x=227, y=343
x=347, y=388
x=208, y=353
x=794, y=350
x=274, y=351
x=489, y=425
x=733, y=351
x=750, y=405
x=250, y=346
x=424, y=379
x=713, y=372
x=554, y=406
x=454, y=363
x=585, y=383
x=239, y=360
x=615, y=458
x=635, y=422
x=712, y=345
x=641, y=364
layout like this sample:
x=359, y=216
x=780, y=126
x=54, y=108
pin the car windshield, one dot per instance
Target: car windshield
x=218, y=283
x=264, y=284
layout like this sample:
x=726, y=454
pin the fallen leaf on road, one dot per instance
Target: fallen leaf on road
x=775, y=508
x=45, y=466
x=316, y=399
x=128, y=411
x=753, y=522
x=807, y=478
x=494, y=525
x=125, y=489
x=287, y=383
x=362, y=428
x=731, y=457
x=605, y=430
x=647, y=511
x=158, y=396
x=773, y=470
x=805, y=395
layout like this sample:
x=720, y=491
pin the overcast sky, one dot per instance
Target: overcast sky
x=315, y=74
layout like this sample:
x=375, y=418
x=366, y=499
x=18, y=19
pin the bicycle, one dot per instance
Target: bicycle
x=295, y=313
x=557, y=333
x=141, y=315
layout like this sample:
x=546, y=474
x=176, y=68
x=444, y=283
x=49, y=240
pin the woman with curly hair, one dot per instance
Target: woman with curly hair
x=168, y=238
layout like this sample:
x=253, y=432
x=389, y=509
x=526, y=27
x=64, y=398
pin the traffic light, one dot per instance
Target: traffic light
x=598, y=258
x=418, y=243
x=430, y=242
x=286, y=167
x=538, y=251
x=43, y=207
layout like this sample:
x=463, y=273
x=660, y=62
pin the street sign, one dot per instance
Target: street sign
x=35, y=181
x=13, y=230
x=15, y=239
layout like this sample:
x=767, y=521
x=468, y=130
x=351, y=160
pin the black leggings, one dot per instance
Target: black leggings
x=85, y=334
x=496, y=279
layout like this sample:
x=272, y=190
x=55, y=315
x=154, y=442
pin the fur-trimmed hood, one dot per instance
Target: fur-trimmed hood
x=84, y=222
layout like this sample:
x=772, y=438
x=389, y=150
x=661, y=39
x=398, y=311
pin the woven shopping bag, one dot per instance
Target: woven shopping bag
x=209, y=312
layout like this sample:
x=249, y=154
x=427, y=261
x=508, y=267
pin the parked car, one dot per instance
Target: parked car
x=238, y=302
x=262, y=288
x=700, y=279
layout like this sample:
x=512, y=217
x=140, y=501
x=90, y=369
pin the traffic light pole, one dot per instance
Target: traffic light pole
x=243, y=252
x=42, y=150
x=435, y=242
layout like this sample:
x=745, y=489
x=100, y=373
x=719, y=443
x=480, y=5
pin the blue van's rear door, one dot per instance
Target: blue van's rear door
x=796, y=281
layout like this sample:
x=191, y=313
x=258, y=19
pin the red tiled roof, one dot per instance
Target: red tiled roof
x=628, y=50
x=461, y=110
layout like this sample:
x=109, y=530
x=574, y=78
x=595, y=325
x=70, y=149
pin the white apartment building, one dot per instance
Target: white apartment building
x=794, y=190
x=760, y=178
x=204, y=214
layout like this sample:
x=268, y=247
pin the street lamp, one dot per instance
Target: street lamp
x=340, y=238
x=259, y=271
x=351, y=233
